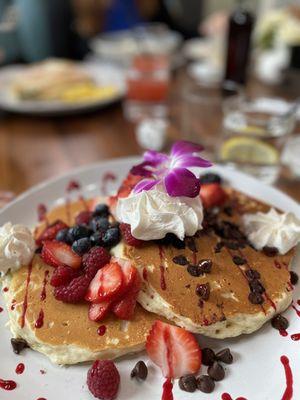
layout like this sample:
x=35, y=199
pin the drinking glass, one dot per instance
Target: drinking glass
x=254, y=133
x=147, y=87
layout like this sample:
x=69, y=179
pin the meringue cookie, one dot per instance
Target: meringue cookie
x=17, y=247
x=273, y=229
x=153, y=213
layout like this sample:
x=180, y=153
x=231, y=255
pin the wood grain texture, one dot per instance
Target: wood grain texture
x=33, y=149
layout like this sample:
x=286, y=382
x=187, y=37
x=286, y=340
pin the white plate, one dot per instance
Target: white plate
x=102, y=73
x=256, y=374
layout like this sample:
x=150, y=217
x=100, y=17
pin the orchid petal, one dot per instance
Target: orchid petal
x=182, y=182
x=191, y=161
x=142, y=169
x=154, y=157
x=183, y=147
x=145, y=184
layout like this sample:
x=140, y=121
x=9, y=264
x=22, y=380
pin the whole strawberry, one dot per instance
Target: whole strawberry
x=103, y=380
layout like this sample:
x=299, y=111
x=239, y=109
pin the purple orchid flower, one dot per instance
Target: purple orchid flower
x=172, y=170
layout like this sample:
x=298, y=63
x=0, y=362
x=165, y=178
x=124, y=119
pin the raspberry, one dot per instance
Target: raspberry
x=95, y=259
x=127, y=236
x=63, y=275
x=103, y=379
x=83, y=218
x=74, y=292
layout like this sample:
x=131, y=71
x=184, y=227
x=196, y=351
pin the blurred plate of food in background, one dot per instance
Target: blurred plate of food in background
x=60, y=87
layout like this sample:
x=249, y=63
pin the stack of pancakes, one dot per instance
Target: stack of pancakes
x=203, y=284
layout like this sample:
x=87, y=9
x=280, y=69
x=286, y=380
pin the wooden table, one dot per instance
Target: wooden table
x=36, y=148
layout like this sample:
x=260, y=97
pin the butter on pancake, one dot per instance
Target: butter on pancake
x=170, y=290
x=62, y=331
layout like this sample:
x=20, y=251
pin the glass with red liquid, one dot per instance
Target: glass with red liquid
x=147, y=87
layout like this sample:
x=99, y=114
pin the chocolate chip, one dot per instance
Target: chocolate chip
x=205, y=384
x=225, y=356
x=205, y=265
x=208, y=356
x=294, y=278
x=203, y=290
x=238, y=260
x=140, y=371
x=18, y=345
x=191, y=244
x=188, y=383
x=270, y=251
x=194, y=270
x=180, y=260
x=218, y=247
x=252, y=274
x=279, y=322
x=216, y=371
x=256, y=286
x=255, y=298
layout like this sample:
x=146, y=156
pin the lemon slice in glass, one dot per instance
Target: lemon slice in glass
x=248, y=150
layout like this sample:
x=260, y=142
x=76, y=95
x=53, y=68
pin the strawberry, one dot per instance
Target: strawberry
x=124, y=308
x=126, y=187
x=98, y=311
x=212, y=194
x=49, y=233
x=173, y=349
x=128, y=270
x=58, y=253
x=107, y=283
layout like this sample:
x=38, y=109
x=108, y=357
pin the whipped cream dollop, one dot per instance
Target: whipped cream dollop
x=153, y=213
x=273, y=229
x=17, y=247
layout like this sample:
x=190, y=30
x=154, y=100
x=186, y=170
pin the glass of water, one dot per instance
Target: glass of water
x=254, y=133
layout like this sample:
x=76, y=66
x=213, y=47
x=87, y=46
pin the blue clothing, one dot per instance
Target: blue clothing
x=122, y=14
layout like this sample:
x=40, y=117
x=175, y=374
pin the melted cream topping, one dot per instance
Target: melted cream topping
x=153, y=213
x=17, y=247
x=273, y=229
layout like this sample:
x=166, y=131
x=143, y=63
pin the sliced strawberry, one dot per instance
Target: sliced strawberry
x=124, y=190
x=58, y=253
x=212, y=194
x=124, y=308
x=51, y=231
x=98, y=311
x=128, y=270
x=107, y=283
x=173, y=349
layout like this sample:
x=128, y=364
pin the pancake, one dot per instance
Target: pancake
x=62, y=331
x=170, y=290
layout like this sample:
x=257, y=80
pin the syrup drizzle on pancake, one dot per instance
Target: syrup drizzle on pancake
x=288, y=393
x=43, y=292
x=162, y=268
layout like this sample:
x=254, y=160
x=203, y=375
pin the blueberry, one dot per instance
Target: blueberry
x=81, y=246
x=210, y=178
x=96, y=239
x=111, y=237
x=78, y=232
x=63, y=235
x=99, y=224
x=101, y=210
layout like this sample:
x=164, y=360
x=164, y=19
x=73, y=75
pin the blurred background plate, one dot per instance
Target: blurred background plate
x=103, y=74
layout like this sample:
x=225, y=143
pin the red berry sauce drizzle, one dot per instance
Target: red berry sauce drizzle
x=7, y=385
x=25, y=301
x=101, y=330
x=283, y=332
x=71, y=187
x=105, y=179
x=226, y=396
x=42, y=213
x=162, y=269
x=167, y=393
x=40, y=320
x=1, y=309
x=288, y=393
x=13, y=305
x=5, y=289
x=20, y=368
x=43, y=292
